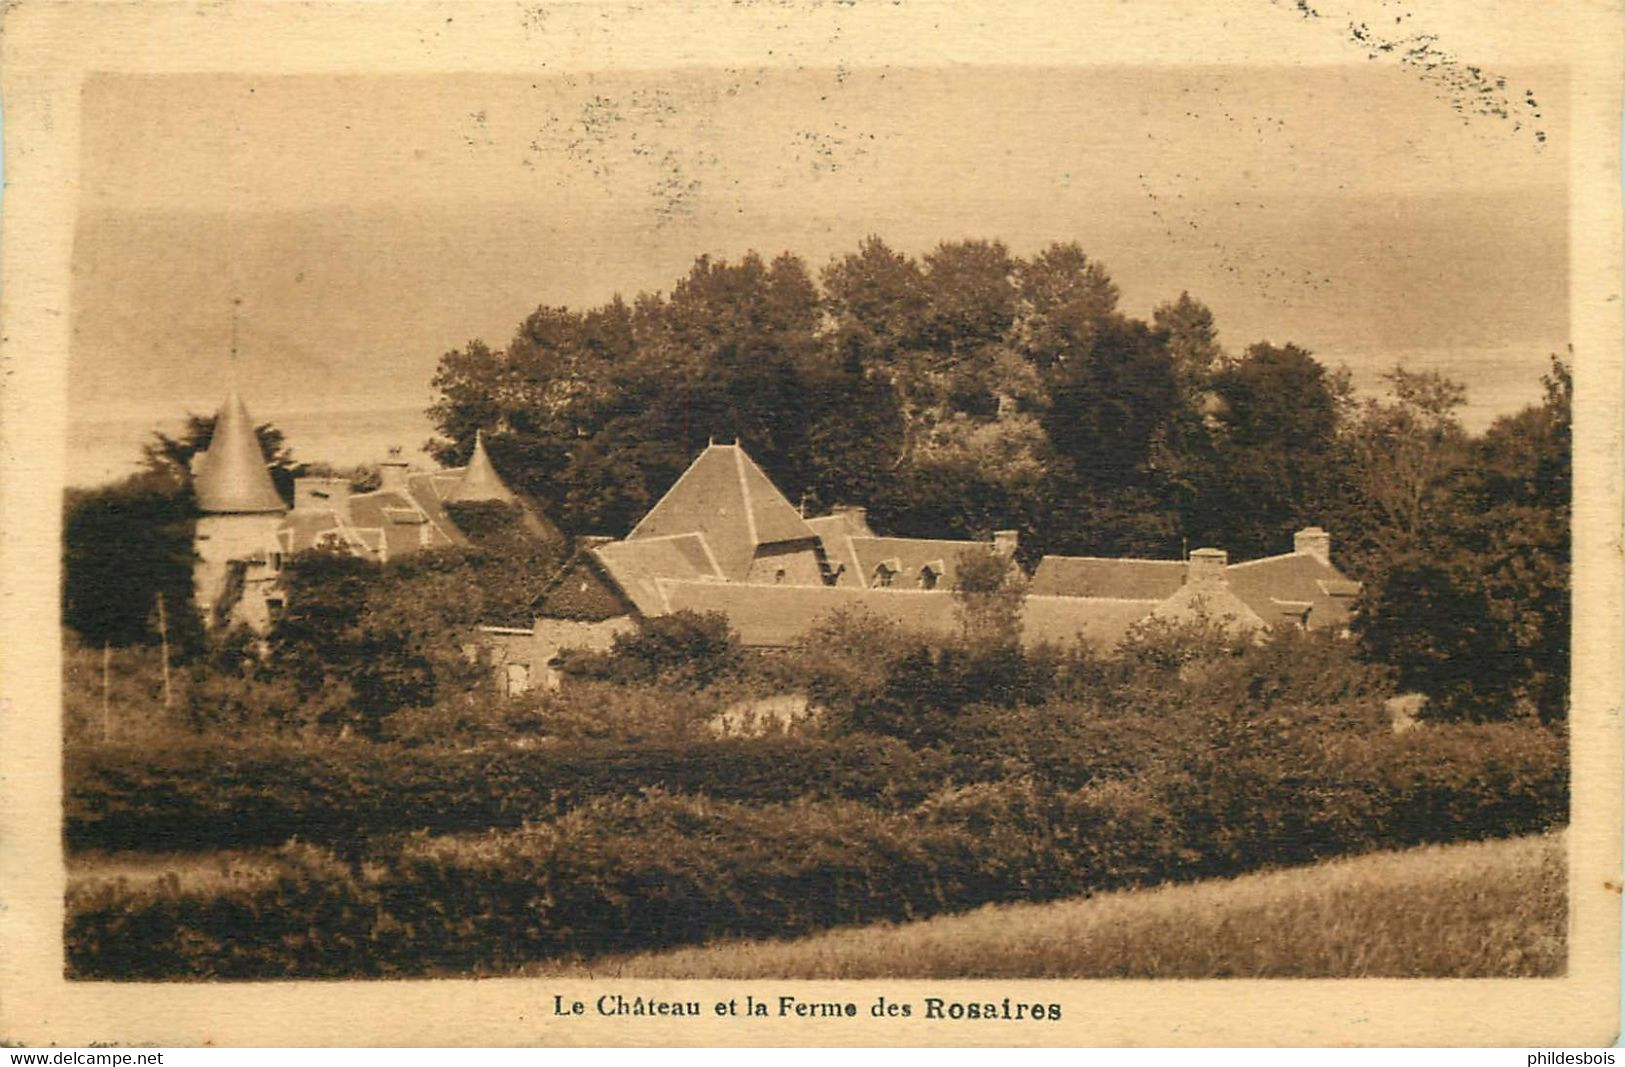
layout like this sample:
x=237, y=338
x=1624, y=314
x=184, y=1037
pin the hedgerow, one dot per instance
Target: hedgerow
x=620, y=873
x=232, y=795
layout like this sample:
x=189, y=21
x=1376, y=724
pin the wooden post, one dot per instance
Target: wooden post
x=163, y=644
x=107, y=704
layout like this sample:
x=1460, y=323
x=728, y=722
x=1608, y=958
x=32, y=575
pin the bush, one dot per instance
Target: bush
x=871, y=676
x=621, y=873
x=589, y=711
x=683, y=650
x=213, y=795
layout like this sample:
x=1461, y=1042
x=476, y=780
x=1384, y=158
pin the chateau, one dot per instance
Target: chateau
x=245, y=530
x=723, y=539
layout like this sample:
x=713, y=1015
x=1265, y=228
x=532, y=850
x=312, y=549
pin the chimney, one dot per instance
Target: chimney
x=392, y=470
x=1207, y=566
x=322, y=494
x=1313, y=541
x=855, y=514
x=1005, y=542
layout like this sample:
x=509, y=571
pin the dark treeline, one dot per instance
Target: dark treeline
x=972, y=389
x=965, y=391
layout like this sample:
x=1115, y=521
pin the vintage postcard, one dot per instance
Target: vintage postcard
x=927, y=522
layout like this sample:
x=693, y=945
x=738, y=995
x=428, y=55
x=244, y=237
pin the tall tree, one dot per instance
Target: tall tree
x=1273, y=466
x=1403, y=454
x=123, y=546
x=1475, y=611
x=1065, y=299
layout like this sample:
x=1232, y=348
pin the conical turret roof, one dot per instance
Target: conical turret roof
x=480, y=481
x=231, y=476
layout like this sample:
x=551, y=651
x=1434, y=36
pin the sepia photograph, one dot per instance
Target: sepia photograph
x=888, y=495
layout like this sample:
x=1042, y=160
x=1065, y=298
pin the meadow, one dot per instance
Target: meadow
x=1479, y=910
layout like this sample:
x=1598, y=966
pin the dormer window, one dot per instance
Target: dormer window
x=885, y=573
x=931, y=574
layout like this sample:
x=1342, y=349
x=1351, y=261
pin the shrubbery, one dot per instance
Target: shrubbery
x=683, y=650
x=603, y=817
x=214, y=795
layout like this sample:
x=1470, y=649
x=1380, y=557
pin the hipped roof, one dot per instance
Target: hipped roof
x=637, y=566
x=1296, y=577
x=231, y=476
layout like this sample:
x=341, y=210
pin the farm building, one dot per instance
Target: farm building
x=724, y=539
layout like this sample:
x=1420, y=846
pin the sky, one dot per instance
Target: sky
x=343, y=232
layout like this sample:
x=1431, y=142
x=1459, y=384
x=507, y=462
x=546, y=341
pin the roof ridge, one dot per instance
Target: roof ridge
x=857, y=563
x=919, y=540
x=745, y=497
x=705, y=543
x=1109, y=559
x=1100, y=599
x=693, y=463
x=659, y=537
x=1267, y=559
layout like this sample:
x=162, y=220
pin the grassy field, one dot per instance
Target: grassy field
x=1487, y=909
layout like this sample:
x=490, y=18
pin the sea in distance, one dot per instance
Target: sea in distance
x=103, y=449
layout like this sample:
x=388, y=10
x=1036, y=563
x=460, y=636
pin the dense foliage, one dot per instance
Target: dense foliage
x=971, y=389
x=608, y=816
x=625, y=872
x=963, y=391
x=364, y=642
x=683, y=650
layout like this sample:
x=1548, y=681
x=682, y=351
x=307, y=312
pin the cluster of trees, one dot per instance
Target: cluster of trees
x=971, y=389
x=962, y=391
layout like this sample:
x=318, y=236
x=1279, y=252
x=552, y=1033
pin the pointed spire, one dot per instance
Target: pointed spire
x=480, y=481
x=231, y=475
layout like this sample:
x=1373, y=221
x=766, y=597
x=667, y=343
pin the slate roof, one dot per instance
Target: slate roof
x=1270, y=585
x=231, y=476
x=725, y=496
x=777, y=616
x=1093, y=576
x=637, y=567
x=383, y=523
x=1215, y=601
x=1099, y=622
x=908, y=556
x=840, y=524
x=1296, y=585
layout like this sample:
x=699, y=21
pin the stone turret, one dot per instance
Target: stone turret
x=239, y=515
